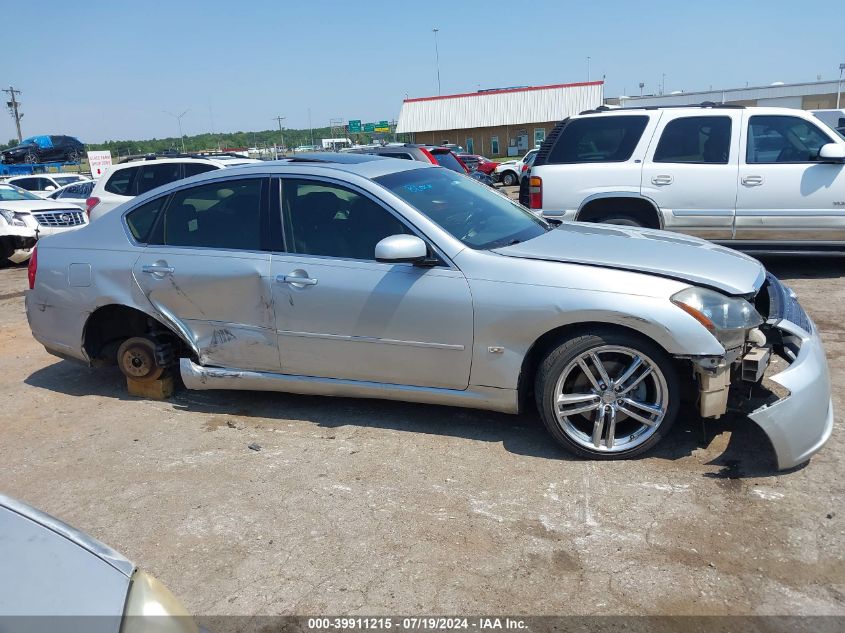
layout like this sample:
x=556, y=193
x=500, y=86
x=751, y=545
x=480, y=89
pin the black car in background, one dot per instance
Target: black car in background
x=43, y=149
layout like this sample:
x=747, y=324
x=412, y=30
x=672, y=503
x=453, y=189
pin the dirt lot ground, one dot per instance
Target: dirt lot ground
x=368, y=507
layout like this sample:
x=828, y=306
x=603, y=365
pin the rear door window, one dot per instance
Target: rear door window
x=695, y=139
x=141, y=219
x=598, y=139
x=122, y=182
x=192, y=169
x=30, y=184
x=157, y=174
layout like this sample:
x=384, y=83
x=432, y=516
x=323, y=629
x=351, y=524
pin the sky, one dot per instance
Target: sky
x=117, y=67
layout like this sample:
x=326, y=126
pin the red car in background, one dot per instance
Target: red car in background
x=478, y=163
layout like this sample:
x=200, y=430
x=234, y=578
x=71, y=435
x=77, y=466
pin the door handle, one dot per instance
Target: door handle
x=752, y=181
x=662, y=179
x=158, y=269
x=295, y=281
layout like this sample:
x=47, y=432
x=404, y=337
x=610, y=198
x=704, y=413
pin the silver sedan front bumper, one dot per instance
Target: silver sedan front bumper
x=801, y=422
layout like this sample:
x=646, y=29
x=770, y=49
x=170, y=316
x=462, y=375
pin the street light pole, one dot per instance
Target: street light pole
x=839, y=85
x=281, y=134
x=437, y=57
x=178, y=118
x=642, y=85
x=588, y=69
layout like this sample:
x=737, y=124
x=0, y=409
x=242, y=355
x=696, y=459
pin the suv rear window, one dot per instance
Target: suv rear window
x=448, y=160
x=598, y=139
x=122, y=181
x=192, y=169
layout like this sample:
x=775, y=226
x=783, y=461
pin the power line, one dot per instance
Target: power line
x=14, y=109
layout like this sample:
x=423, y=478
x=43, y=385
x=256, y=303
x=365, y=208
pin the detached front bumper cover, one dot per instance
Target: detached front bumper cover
x=799, y=424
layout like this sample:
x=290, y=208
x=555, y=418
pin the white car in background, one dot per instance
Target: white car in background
x=75, y=193
x=24, y=218
x=508, y=173
x=124, y=181
x=45, y=184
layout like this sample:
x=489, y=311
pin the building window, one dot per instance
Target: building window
x=470, y=147
x=539, y=136
x=494, y=145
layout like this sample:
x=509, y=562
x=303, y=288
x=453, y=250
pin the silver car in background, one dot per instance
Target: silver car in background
x=54, y=577
x=361, y=276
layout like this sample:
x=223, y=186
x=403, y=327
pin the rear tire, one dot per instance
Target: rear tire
x=633, y=397
x=509, y=179
x=72, y=156
x=137, y=359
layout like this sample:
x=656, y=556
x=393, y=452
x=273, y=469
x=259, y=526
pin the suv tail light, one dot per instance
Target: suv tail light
x=32, y=269
x=535, y=192
x=429, y=156
x=90, y=203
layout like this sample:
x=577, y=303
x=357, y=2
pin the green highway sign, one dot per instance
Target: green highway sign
x=382, y=126
x=369, y=127
x=355, y=126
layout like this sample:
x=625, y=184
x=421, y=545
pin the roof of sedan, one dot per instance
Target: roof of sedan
x=365, y=165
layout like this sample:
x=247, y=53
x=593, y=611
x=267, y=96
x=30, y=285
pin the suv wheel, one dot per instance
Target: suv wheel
x=509, y=179
x=622, y=220
x=608, y=395
x=30, y=158
x=72, y=156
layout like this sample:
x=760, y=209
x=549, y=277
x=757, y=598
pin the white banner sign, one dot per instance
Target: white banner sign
x=99, y=162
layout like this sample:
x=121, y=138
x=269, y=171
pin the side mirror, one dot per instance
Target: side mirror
x=832, y=153
x=398, y=249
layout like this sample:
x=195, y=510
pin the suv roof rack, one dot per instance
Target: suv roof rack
x=157, y=155
x=346, y=158
x=703, y=104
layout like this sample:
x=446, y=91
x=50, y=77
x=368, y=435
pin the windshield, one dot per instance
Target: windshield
x=471, y=212
x=10, y=193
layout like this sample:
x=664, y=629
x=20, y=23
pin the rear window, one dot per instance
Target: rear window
x=598, y=139
x=448, y=160
x=122, y=181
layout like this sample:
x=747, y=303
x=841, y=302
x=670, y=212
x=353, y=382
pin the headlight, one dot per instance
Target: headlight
x=726, y=317
x=151, y=607
x=12, y=218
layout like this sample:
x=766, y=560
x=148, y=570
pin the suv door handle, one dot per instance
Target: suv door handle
x=160, y=270
x=752, y=181
x=295, y=281
x=662, y=179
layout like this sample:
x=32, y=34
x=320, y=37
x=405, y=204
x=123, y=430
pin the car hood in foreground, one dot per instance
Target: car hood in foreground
x=660, y=253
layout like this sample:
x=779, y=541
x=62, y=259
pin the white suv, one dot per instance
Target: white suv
x=758, y=178
x=124, y=181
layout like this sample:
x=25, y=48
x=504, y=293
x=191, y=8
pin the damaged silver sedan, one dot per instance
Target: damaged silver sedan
x=358, y=276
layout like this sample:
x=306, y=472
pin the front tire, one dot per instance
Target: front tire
x=72, y=156
x=30, y=158
x=509, y=179
x=608, y=395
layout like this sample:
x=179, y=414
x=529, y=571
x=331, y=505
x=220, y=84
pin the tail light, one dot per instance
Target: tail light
x=33, y=267
x=90, y=203
x=535, y=192
x=524, y=168
x=429, y=156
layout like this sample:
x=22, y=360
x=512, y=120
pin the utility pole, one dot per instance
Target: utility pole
x=310, y=128
x=588, y=70
x=13, y=108
x=838, y=91
x=437, y=56
x=281, y=134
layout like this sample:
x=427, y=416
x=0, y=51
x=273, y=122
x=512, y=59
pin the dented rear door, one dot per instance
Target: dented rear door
x=207, y=273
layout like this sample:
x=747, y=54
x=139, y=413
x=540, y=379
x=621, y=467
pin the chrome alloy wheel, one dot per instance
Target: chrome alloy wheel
x=611, y=399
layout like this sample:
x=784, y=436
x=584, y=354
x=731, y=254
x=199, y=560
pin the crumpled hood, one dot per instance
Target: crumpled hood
x=681, y=257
